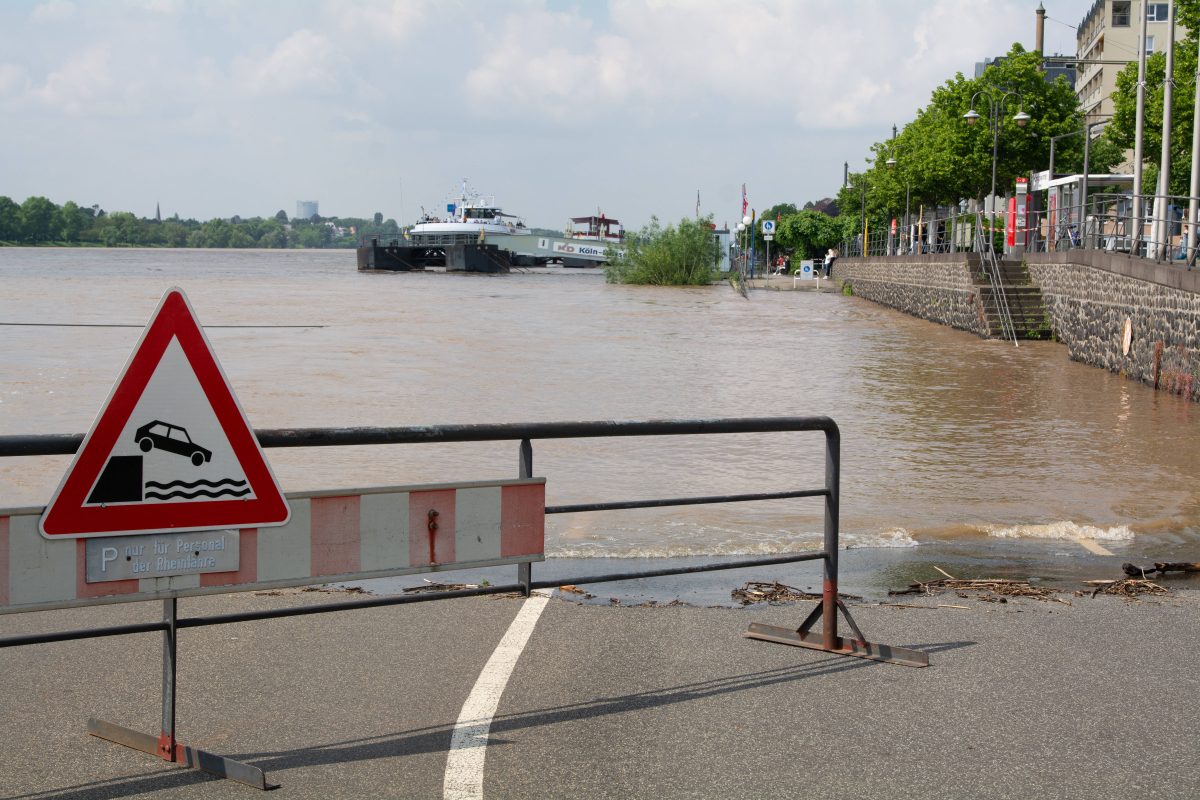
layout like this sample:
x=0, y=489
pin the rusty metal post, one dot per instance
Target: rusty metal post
x=166, y=738
x=830, y=606
x=833, y=457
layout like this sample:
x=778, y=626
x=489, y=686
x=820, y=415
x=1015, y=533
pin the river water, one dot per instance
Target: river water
x=948, y=440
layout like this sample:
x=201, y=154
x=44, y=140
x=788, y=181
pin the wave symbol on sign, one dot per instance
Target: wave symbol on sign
x=226, y=487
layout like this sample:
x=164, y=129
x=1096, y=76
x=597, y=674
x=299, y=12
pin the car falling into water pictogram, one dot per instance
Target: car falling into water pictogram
x=172, y=439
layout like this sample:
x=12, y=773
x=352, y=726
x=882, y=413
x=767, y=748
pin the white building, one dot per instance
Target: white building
x=306, y=209
x=1108, y=33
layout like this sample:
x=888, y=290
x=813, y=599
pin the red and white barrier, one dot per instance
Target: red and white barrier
x=331, y=536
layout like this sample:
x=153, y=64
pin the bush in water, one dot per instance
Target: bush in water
x=672, y=256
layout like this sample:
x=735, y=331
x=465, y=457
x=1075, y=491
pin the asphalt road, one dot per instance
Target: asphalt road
x=1024, y=700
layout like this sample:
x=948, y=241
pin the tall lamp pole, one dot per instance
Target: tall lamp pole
x=996, y=104
x=891, y=164
x=863, y=192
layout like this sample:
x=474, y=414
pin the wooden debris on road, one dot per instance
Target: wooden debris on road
x=1127, y=587
x=992, y=590
x=776, y=592
x=1134, y=571
x=438, y=586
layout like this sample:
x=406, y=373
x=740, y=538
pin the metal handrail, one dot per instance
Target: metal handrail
x=987, y=256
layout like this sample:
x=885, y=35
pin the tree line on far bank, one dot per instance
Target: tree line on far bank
x=39, y=221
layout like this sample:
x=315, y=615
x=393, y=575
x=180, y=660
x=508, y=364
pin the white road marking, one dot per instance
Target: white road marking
x=1094, y=546
x=468, y=744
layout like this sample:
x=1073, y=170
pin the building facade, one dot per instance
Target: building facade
x=1107, y=40
x=306, y=209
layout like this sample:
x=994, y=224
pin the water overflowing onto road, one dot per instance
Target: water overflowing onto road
x=946, y=438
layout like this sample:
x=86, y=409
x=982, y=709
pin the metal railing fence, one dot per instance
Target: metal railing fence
x=525, y=434
x=1165, y=232
x=167, y=747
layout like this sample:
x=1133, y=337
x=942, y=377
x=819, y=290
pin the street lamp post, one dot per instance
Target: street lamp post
x=863, y=193
x=891, y=164
x=996, y=105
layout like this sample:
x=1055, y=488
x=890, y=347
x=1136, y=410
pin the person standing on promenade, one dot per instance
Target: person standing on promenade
x=830, y=257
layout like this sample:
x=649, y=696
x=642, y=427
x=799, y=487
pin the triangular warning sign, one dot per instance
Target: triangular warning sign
x=171, y=450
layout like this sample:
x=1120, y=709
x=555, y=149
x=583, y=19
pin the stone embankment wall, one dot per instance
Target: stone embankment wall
x=1090, y=295
x=935, y=287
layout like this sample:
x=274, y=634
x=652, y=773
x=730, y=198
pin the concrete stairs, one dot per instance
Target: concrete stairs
x=1025, y=304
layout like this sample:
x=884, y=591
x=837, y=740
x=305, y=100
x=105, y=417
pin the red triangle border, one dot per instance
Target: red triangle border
x=67, y=516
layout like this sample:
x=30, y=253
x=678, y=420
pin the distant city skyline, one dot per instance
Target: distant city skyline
x=556, y=108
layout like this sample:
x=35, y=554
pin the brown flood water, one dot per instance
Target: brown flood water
x=946, y=438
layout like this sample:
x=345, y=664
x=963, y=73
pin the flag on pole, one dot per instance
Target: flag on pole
x=745, y=204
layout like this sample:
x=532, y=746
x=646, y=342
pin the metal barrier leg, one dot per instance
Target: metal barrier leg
x=827, y=610
x=525, y=577
x=166, y=746
x=525, y=470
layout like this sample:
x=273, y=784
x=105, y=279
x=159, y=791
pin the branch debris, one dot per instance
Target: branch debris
x=1128, y=587
x=776, y=592
x=991, y=590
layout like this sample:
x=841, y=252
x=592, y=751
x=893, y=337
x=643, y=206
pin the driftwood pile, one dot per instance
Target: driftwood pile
x=776, y=592
x=772, y=592
x=1129, y=587
x=991, y=590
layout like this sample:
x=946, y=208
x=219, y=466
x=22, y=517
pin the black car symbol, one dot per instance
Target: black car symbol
x=171, y=438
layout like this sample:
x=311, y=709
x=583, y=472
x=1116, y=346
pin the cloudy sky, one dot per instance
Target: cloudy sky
x=557, y=107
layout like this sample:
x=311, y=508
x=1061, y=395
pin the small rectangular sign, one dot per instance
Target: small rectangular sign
x=120, y=558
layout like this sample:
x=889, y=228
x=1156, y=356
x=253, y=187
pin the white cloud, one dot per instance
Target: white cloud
x=816, y=64
x=573, y=73
x=304, y=60
x=76, y=86
x=626, y=100
x=160, y=6
x=52, y=11
x=396, y=20
x=12, y=78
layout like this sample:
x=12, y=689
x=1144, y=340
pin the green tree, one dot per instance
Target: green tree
x=10, y=220
x=312, y=236
x=273, y=236
x=808, y=233
x=70, y=221
x=174, y=233
x=37, y=219
x=671, y=256
x=943, y=159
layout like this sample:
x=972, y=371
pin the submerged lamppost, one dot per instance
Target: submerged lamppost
x=996, y=104
x=741, y=229
x=747, y=222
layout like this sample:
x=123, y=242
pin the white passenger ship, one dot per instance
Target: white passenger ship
x=470, y=218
